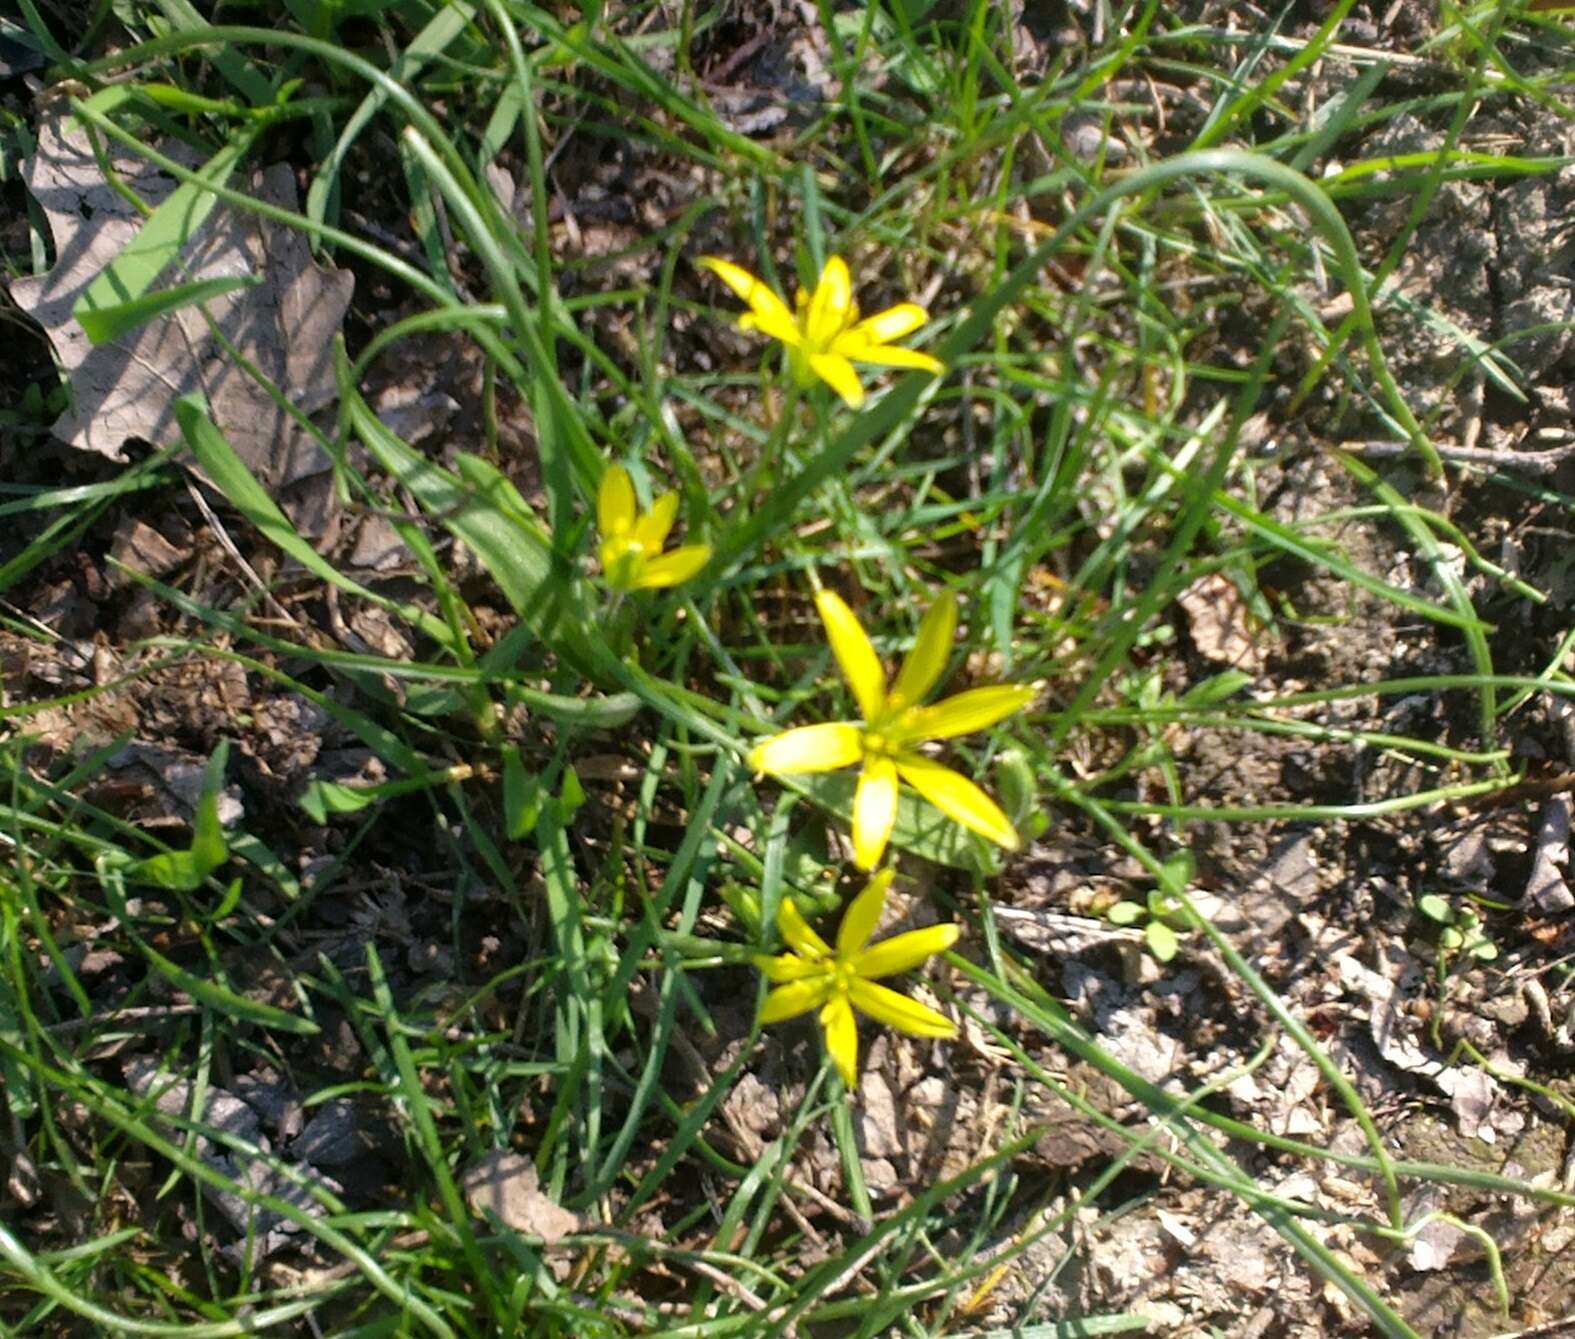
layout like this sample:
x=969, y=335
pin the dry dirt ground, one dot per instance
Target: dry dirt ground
x=1326, y=910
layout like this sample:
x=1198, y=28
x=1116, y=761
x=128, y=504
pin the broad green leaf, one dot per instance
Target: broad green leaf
x=323, y=799
x=1161, y=939
x=1216, y=689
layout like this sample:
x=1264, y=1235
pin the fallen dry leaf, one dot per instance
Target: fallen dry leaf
x=506, y=1185
x=1546, y=889
x=127, y=387
x=1220, y=624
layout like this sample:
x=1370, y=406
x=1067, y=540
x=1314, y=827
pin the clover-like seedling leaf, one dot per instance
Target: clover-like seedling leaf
x=1161, y=940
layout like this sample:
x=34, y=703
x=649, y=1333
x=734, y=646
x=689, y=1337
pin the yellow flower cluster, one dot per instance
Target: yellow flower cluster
x=824, y=336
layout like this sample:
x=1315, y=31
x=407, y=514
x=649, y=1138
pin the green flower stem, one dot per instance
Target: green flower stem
x=761, y=476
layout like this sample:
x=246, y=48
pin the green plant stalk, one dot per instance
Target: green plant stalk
x=554, y=407
x=1555, y=1099
x=1212, y=1165
x=1264, y=813
x=1475, y=636
x=414, y=1099
x=1421, y=201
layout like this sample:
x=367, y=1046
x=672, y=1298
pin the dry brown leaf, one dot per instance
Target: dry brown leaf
x=1220, y=624
x=127, y=387
x=1546, y=889
x=506, y=1185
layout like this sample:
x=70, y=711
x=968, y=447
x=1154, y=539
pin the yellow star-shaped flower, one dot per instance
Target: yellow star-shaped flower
x=885, y=744
x=826, y=337
x=837, y=981
x=631, y=547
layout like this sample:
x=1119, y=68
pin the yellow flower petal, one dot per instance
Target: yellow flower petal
x=904, y=952
x=874, y=811
x=862, y=916
x=861, y=667
x=615, y=501
x=771, y=317
x=800, y=935
x=837, y=372
x=888, y=355
x=736, y=277
x=842, y=1038
x=893, y=323
x=675, y=567
x=651, y=530
x=767, y=312
x=958, y=798
x=964, y=713
x=830, y=306
x=795, y=998
x=928, y=658
x=898, y=1011
x=780, y=967
x=809, y=748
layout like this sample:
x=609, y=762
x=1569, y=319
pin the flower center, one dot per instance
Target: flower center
x=890, y=732
x=876, y=740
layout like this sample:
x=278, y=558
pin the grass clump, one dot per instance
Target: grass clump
x=514, y=815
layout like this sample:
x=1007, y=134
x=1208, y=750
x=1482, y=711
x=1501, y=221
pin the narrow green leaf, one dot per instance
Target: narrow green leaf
x=119, y=299
x=109, y=323
x=230, y=476
x=522, y=792
x=225, y=1001
x=186, y=871
x=495, y=522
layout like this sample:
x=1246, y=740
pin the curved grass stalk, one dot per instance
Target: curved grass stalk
x=36, y=1275
x=1293, y=1026
x=1207, y=1162
x=110, y=1110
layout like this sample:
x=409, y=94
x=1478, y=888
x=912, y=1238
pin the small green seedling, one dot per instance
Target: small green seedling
x=186, y=871
x=1461, y=934
x=1162, y=913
